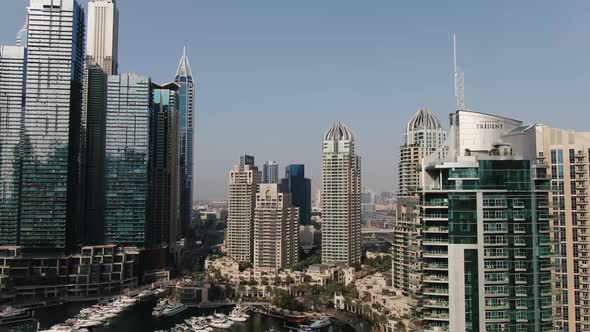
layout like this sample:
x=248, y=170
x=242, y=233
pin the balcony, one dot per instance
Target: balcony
x=435, y=254
x=436, y=229
x=436, y=304
x=435, y=267
x=435, y=291
x=435, y=279
x=436, y=217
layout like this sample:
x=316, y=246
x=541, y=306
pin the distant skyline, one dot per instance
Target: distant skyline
x=272, y=77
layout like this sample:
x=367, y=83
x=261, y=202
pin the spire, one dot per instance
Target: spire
x=184, y=68
x=459, y=79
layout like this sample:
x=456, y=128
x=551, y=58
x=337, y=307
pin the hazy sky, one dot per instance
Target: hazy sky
x=273, y=75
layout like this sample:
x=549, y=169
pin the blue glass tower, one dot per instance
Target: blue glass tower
x=300, y=189
x=186, y=105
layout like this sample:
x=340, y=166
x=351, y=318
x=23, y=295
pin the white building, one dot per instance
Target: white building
x=243, y=182
x=102, y=45
x=276, y=229
x=341, y=197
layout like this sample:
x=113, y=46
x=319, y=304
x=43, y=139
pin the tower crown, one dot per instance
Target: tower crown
x=338, y=132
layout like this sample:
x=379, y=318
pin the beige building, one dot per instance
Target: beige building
x=276, y=229
x=567, y=154
x=341, y=197
x=243, y=183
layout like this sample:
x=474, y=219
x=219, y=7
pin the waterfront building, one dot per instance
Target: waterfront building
x=103, y=35
x=484, y=217
x=12, y=85
x=93, y=271
x=567, y=156
x=340, y=197
x=299, y=186
x=50, y=198
x=127, y=148
x=186, y=114
x=270, y=172
x=243, y=184
x=94, y=115
x=163, y=169
x=276, y=229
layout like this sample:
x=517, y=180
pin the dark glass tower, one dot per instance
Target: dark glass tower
x=163, y=170
x=94, y=115
x=186, y=106
x=300, y=189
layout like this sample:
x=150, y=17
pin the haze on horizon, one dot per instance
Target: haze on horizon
x=273, y=76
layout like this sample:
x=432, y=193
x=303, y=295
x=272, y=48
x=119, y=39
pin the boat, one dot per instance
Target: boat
x=90, y=323
x=11, y=315
x=173, y=309
x=198, y=324
x=237, y=315
x=145, y=295
x=320, y=323
x=220, y=323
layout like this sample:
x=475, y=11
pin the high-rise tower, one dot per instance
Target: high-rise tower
x=186, y=109
x=50, y=194
x=341, y=197
x=127, y=151
x=299, y=186
x=243, y=183
x=276, y=229
x=103, y=35
x=12, y=85
x=270, y=172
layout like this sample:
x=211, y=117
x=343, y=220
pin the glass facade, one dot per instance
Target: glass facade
x=186, y=108
x=50, y=204
x=300, y=189
x=163, y=170
x=12, y=83
x=127, y=146
x=503, y=204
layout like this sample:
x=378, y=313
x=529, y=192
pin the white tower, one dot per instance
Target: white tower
x=102, y=45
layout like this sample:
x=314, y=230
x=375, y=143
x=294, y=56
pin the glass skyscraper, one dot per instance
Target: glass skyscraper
x=186, y=108
x=12, y=83
x=50, y=182
x=163, y=205
x=127, y=148
x=300, y=189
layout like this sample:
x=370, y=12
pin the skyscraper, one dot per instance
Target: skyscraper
x=270, y=172
x=276, y=229
x=341, y=197
x=243, y=184
x=186, y=109
x=485, y=224
x=50, y=200
x=424, y=135
x=566, y=154
x=94, y=118
x=163, y=222
x=127, y=149
x=299, y=186
x=103, y=35
x=12, y=85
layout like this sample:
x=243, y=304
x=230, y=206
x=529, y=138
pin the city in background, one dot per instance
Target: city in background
x=484, y=228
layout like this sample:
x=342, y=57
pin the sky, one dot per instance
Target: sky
x=272, y=76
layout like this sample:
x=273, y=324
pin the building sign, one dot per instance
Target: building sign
x=490, y=124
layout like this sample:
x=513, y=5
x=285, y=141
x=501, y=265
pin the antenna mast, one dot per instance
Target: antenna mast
x=459, y=79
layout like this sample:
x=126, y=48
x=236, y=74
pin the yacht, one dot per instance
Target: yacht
x=11, y=315
x=322, y=322
x=172, y=309
x=220, y=323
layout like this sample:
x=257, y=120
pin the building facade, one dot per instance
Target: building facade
x=127, y=152
x=102, y=46
x=340, y=197
x=567, y=156
x=270, y=172
x=163, y=169
x=299, y=186
x=243, y=184
x=186, y=114
x=94, y=115
x=486, y=250
x=50, y=199
x=12, y=85
x=276, y=229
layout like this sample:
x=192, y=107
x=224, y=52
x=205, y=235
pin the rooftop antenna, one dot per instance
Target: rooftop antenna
x=459, y=79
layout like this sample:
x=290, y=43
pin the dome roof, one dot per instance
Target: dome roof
x=424, y=119
x=338, y=132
